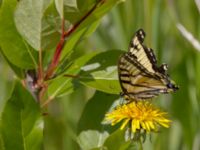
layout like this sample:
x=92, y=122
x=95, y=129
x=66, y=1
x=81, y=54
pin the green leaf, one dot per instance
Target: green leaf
x=18, y=71
x=105, y=80
x=94, y=111
x=74, y=10
x=88, y=22
x=59, y=7
x=70, y=3
x=12, y=44
x=101, y=72
x=71, y=42
x=28, y=20
x=116, y=141
x=100, y=148
x=52, y=25
x=19, y=120
x=75, y=38
x=1, y=143
x=99, y=12
x=71, y=11
x=91, y=139
x=67, y=6
x=62, y=84
x=91, y=29
x=35, y=138
x=84, y=5
x=51, y=29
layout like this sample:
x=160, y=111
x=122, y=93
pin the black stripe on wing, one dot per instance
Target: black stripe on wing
x=139, y=66
x=144, y=94
x=141, y=96
x=150, y=54
x=137, y=85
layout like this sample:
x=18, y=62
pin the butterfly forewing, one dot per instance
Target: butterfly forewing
x=135, y=82
x=140, y=54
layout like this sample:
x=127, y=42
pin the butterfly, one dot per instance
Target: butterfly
x=139, y=75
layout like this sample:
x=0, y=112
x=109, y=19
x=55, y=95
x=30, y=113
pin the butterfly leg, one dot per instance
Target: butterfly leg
x=121, y=100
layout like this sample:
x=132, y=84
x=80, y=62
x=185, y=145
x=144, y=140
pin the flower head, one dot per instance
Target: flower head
x=140, y=115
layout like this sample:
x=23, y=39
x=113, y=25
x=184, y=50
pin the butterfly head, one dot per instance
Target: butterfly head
x=172, y=87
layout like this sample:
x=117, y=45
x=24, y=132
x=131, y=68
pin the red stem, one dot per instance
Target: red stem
x=67, y=33
x=40, y=68
x=61, y=43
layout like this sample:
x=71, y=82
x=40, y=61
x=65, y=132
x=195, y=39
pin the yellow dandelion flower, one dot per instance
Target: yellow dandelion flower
x=140, y=115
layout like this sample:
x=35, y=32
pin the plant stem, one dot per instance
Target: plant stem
x=47, y=102
x=64, y=35
x=140, y=144
x=60, y=45
x=40, y=68
x=57, y=53
x=67, y=33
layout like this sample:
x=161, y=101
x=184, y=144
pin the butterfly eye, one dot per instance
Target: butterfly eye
x=172, y=86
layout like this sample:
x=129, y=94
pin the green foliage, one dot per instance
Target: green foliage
x=16, y=50
x=93, y=114
x=19, y=121
x=74, y=88
x=63, y=84
x=101, y=72
x=28, y=20
x=116, y=141
x=91, y=139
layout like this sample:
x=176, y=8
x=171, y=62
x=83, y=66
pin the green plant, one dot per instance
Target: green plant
x=55, y=49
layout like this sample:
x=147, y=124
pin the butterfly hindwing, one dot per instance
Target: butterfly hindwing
x=137, y=83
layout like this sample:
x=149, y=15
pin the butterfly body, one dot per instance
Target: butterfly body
x=140, y=77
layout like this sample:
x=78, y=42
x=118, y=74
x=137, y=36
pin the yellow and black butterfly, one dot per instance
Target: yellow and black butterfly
x=140, y=77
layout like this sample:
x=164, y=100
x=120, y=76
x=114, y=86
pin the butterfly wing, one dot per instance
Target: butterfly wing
x=139, y=76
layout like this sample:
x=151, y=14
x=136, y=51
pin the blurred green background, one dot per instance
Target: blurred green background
x=159, y=19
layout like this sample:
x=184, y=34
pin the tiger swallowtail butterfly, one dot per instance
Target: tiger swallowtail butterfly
x=139, y=75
